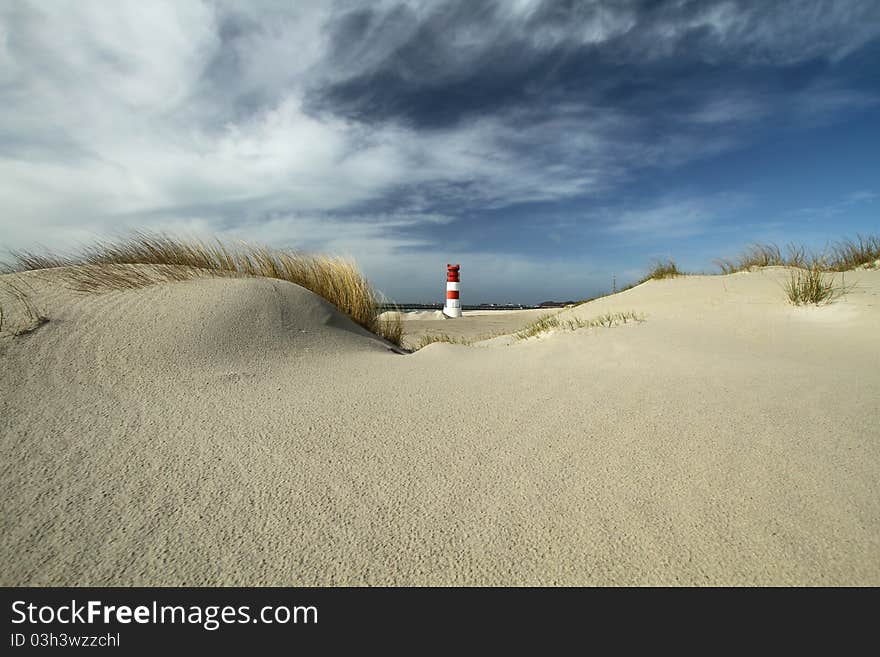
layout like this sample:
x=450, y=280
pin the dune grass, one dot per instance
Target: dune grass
x=812, y=279
x=843, y=255
x=755, y=255
x=433, y=338
x=110, y=265
x=659, y=270
x=19, y=291
x=547, y=323
x=811, y=285
x=389, y=327
x=543, y=324
x=663, y=269
x=848, y=254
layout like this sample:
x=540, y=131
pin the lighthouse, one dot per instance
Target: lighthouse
x=453, y=287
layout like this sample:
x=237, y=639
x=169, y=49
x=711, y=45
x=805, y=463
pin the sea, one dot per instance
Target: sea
x=416, y=307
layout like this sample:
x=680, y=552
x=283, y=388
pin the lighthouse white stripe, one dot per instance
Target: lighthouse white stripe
x=453, y=286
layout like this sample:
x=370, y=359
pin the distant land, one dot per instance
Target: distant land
x=481, y=306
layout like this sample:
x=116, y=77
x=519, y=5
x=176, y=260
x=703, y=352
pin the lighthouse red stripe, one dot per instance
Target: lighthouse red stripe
x=452, y=294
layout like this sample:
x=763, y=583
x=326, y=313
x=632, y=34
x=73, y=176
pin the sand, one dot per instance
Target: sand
x=472, y=325
x=243, y=432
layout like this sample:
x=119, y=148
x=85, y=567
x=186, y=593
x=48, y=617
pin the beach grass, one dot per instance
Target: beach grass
x=112, y=265
x=543, y=324
x=389, y=327
x=659, y=270
x=20, y=292
x=663, y=269
x=811, y=285
x=843, y=255
x=547, y=323
x=755, y=255
x=433, y=338
x=848, y=254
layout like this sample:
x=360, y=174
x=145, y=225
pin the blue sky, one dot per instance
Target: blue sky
x=543, y=145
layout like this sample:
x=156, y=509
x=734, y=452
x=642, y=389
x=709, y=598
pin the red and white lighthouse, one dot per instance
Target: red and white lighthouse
x=453, y=287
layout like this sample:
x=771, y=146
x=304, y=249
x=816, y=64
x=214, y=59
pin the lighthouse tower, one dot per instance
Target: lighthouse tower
x=453, y=286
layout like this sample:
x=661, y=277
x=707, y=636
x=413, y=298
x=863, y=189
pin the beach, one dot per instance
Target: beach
x=242, y=431
x=476, y=325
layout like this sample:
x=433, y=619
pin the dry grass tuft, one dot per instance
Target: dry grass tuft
x=20, y=291
x=94, y=279
x=547, y=323
x=109, y=265
x=811, y=285
x=755, y=255
x=28, y=260
x=844, y=255
x=659, y=270
x=433, y=338
x=797, y=256
x=848, y=254
x=389, y=327
x=663, y=269
x=541, y=325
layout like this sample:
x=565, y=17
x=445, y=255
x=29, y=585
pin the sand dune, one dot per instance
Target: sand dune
x=242, y=431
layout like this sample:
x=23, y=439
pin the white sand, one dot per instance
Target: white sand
x=473, y=324
x=244, y=432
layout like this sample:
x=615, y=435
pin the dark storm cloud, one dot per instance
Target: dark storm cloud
x=463, y=59
x=226, y=82
x=422, y=80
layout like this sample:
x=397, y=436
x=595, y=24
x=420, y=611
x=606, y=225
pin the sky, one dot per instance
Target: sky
x=543, y=145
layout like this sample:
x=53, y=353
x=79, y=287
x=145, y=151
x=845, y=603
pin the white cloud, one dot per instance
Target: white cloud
x=842, y=205
x=194, y=116
x=863, y=195
x=676, y=217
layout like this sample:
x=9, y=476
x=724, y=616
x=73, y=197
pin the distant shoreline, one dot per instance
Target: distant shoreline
x=411, y=307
